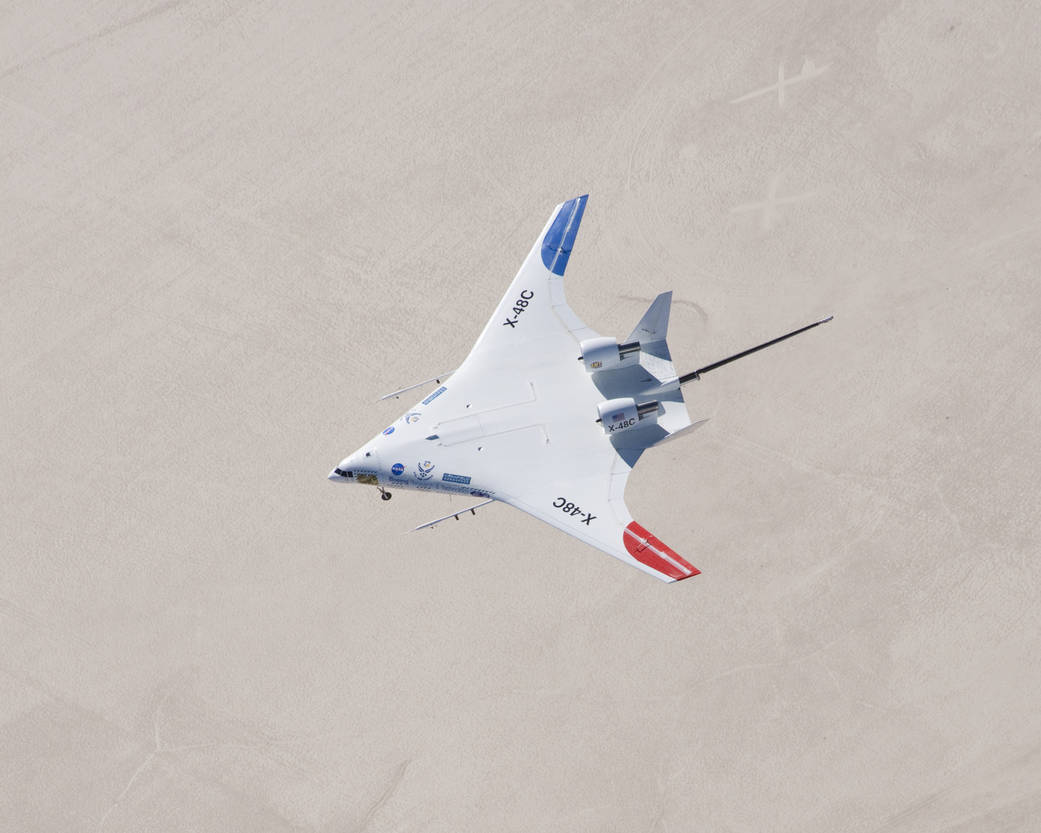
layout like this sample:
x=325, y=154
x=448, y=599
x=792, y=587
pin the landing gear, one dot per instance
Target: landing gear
x=384, y=494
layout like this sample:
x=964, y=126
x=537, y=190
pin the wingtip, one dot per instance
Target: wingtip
x=696, y=572
x=651, y=552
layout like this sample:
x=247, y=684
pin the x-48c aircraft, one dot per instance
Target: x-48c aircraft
x=545, y=414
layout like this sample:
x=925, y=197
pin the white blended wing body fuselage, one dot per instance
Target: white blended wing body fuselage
x=517, y=421
x=544, y=414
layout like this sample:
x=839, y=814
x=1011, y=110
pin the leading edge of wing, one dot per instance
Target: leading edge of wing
x=534, y=305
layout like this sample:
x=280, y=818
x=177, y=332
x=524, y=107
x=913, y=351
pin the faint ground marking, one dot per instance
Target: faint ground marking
x=809, y=70
x=769, y=205
x=995, y=51
x=697, y=307
x=946, y=507
x=103, y=32
x=144, y=764
x=389, y=789
x=992, y=242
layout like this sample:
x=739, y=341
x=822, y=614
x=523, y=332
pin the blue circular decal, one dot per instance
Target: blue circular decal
x=397, y=469
x=389, y=430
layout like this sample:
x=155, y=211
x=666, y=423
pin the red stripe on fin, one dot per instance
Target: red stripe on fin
x=648, y=550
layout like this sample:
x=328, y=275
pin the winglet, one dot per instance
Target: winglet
x=651, y=552
x=559, y=240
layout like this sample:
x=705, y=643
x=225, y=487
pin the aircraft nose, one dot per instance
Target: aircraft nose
x=341, y=474
x=347, y=469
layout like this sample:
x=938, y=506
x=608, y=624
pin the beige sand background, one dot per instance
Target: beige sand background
x=228, y=227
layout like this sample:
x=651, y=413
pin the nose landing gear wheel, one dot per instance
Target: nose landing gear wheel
x=384, y=494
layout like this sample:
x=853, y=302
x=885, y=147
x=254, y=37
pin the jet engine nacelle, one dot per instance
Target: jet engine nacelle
x=605, y=353
x=622, y=414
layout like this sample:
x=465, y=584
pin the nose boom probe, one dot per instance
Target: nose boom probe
x=696, y=374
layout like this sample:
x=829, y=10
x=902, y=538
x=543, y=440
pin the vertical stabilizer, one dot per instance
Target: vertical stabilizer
x=655, y=322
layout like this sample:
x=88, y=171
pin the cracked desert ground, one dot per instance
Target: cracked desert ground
x=226, y=228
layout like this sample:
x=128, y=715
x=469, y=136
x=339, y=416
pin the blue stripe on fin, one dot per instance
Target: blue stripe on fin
x=556, y=245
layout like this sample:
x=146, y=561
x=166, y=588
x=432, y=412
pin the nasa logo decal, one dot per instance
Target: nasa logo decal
x=389, y=430
x=412, y=418
x=424, y=469
x=397, y=469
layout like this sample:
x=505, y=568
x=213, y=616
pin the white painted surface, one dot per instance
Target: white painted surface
x=227, y=228
x=516, y=420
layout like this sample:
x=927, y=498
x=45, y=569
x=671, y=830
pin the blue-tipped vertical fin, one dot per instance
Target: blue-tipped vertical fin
x=559, y=240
